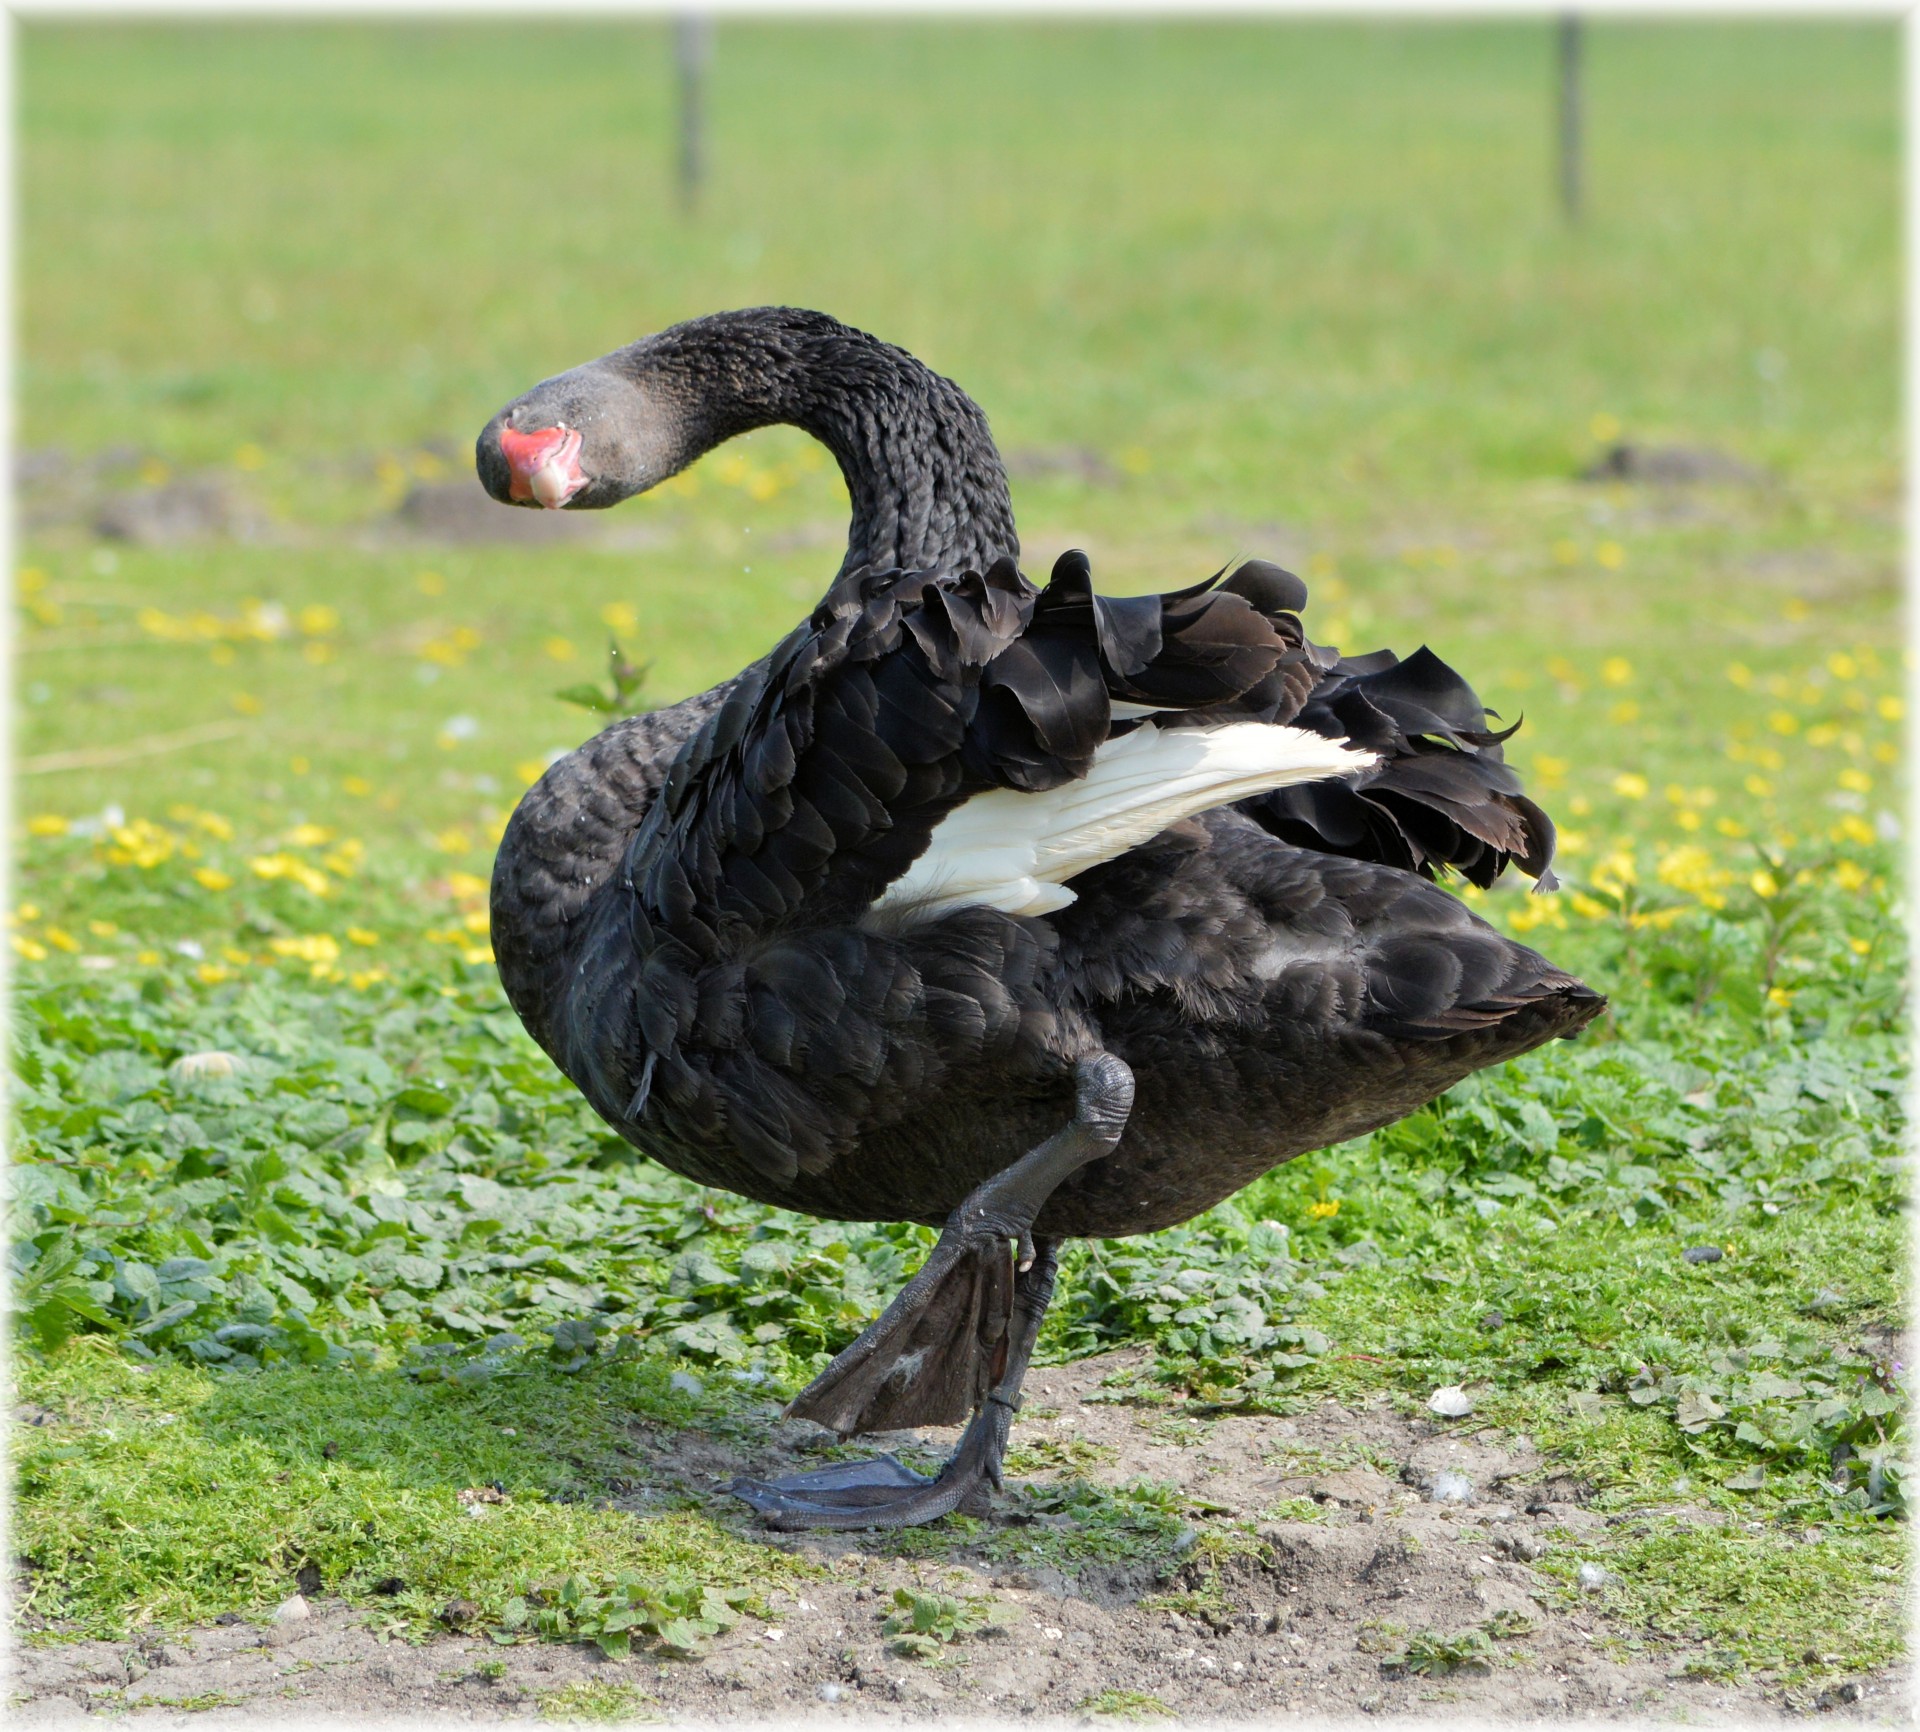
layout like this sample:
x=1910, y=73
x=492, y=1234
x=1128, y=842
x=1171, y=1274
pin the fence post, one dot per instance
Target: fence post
x=692, y=50
x=1572, y=169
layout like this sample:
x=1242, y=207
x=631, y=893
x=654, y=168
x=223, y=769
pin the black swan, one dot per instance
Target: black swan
x=1024, y=913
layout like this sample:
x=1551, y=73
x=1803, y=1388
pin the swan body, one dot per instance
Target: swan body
x=1025, y=912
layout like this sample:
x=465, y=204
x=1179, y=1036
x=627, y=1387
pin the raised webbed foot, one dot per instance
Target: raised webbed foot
x=932, y=1356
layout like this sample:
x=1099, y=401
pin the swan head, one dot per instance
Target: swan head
x=582, y=441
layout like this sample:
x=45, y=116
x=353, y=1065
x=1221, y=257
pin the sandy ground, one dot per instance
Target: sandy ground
x=1304, y=1643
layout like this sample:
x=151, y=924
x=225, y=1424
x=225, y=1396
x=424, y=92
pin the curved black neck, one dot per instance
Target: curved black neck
x=926, y=484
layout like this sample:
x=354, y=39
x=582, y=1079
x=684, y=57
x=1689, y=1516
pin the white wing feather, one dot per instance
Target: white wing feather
x=1015, y=852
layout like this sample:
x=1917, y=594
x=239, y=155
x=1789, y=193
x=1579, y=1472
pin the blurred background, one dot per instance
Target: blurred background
x=1304, y=290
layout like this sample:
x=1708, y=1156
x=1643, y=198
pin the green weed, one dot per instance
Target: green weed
x=677, y=1616
x=595, y=1701
x=1126, y=1705
x=920, y=1625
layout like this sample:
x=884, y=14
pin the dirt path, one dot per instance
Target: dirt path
x=1388, y=1548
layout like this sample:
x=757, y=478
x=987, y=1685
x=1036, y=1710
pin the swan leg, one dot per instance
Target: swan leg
x=935, y=1352
x=883, y=1492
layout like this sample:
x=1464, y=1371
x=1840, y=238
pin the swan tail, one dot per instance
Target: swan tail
x=1439, y=796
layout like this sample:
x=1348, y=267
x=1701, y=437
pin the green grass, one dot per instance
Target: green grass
x=1302, y=288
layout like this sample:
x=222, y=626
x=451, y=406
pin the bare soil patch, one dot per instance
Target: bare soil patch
x=1384, y=1528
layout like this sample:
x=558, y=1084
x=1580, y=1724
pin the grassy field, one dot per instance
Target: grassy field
x=1290, y=289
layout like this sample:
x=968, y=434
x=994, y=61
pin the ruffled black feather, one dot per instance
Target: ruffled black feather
x=1441, y=797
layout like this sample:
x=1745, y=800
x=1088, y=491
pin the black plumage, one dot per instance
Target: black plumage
x=700, y=913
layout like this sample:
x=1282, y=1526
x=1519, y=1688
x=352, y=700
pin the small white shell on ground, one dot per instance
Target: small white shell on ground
x=210, y=1063
x=1450, y=1401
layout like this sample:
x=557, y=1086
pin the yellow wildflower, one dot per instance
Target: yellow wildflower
x=1779, y=997
x=247, y=704
x=285, y=865
x=1885, y=752
x=358, y=786
x=1325, y=1209
x=148, y=958
x=1616, y=670
x=1614, y=873
x=141, y=843
x=1890, y=708
x=30, y=948
x=559, y=649
x=211, y=973
x=1784, y=722
x=1566, y=552
x=1730, y=826
x=47, y=824
x=465, y=884
x=212, y=878
x=102, y=928
x=1842, y=666
x=1850, y=875
x=28, y=911
x=530, y=770
x=318, y=620
x=249, y=456
x=1589, y=907
x=478, y=920
x=308, y=836
x=307, y=947
x=1859, y=946
x=431, y=583
x=1853, y=828
x=621, y=616
x=477, y=953
x=1764, y=884
x=1536, y=911
x=453, y=841
x=1740, y=674
x=1630, y=785
x=362, y=978
x=362, y=935
x=1610, y=554
x=1759, y=787
x=1855, y=781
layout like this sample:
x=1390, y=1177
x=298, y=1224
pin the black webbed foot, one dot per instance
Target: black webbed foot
x=882, y=1492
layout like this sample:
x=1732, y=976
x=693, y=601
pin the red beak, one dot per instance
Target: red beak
x=545, y=465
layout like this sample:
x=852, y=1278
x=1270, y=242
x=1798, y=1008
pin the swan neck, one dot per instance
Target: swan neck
x=925, y=483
